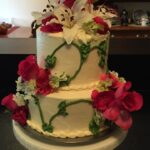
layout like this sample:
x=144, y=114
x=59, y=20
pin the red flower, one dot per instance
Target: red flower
x=102, y=100
x=42, y=82
x=90, y=1
x=133, y=101
x=69, y=3
x=124, y=120
x=117, y=104
x=113, y=111
x=45, y=20
x=103, y=24
x=28, y=68
x=52, y=28
x=9, y=102
x=20, y=115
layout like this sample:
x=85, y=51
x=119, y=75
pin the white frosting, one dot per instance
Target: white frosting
x=76, y=124
x=68, y=59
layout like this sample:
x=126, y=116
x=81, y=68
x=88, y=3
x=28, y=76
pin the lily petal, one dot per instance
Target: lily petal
x=70, y=33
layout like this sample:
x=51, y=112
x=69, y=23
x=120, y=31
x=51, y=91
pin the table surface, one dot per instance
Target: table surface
x=137, y=138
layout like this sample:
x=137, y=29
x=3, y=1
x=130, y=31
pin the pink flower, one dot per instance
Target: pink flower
x=20, y=115
x=9, y=102
x=69, y=3
x=103, y=24
x=116, y=105
x=116, y=83
x=102, y=100
x=49, y=18
x=52, y=28
x=124, y=120
x=42, y=82
x=133, y=101
x=28, y=68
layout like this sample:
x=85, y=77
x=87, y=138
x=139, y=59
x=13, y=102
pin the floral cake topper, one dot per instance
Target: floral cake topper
x=75, y=18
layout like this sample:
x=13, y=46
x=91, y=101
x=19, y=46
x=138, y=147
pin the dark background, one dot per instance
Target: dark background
x=133, y=67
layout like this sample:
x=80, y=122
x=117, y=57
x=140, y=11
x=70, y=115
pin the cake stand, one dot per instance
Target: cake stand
x=30, y=142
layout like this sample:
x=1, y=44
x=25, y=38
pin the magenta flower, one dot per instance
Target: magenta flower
x=42, y=82
x=104, y=28
x=69, y=3
x=8, y=102
x=28, y=68
x=116, y=105
x=52, y=28
x=20, y=115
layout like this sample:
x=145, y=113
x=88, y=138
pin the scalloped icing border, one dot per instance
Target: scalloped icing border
x=62, y=134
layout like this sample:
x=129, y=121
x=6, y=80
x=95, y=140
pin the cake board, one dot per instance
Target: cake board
x=114, y=139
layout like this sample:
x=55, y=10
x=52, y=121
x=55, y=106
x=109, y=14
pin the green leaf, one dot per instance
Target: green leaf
x=62, y=109
x=85, y=49
x=65, y=82
x=102, y=53
x=94, y=125
x=103, y=46
x=102, y=62
x=50, y=61
x=47, y=127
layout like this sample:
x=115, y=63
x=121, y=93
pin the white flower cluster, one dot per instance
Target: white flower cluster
x=25, y=91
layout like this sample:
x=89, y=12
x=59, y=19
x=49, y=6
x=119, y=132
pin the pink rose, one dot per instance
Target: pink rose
x=9, y=102
x=101, y=23
x=42, y=82
x=20, y=115
x=52, y=28
x=49, y=18
x=102, y=100
x=69, y=3
x=133, y=101
x=28, y=68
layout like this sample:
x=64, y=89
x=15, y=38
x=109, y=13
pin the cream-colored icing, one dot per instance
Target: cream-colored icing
x=68, y=59
x=76, y=124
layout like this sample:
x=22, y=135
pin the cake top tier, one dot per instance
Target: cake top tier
x=75, y=16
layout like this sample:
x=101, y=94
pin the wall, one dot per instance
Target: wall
x=18, y=12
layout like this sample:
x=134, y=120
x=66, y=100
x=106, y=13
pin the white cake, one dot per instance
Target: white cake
x=66, y=91
x=76, y=124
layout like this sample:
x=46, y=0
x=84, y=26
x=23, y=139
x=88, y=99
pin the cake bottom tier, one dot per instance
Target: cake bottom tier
x=64, y=114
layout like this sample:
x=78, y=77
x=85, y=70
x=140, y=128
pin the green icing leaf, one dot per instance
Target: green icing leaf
x=62, y=109
x=85, y=50
x=92, y=27
x=95, y=123
x=59, y=81
x=50, y=61
x=47, y=127
x=102, y=47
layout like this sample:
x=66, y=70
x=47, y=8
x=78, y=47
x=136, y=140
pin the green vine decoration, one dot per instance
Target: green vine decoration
x=62, y=110
x=95, y=123
x=84, y=50
x=45, y=126
x=102, y=47
x=50, y=60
